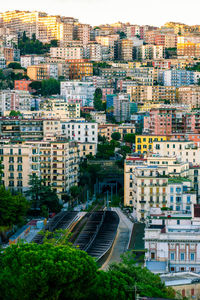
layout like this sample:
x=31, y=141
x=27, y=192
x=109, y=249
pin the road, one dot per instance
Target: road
x=121, y=243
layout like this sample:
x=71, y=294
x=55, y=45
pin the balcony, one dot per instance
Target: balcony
x=142, y=201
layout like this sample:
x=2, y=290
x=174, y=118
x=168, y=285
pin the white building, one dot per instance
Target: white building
x=77, y=91
x=83, y=132
x=172, y=242
x=157, y=182
x=15, y=100
x=31, y=59
x=184, y=150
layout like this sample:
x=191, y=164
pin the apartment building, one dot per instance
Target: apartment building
x=157, y=37
x=17, y=128
x=86, y=149
x=77, y=91
x=172, y=243
x=125, y=49
x=22, y=85
x=157, y=181
x=59, y=107
x=148, y=184
x=94, y=52
x=145, y=52
x=178, y=77
x=67, y=52
x=167, y=120
x=189, y=95
x=141, y=93
x=119, y=107
x=188, y=46
x=82, y=132
x=109, y=42
x=144, y=143
x=106, y=130
x=44, y=26
x=56, y=162
x=17, y=100
x=79, y=69
x=183, y=149
x=38, y=72
x=30, y=60
x=142, y=75
x=82, y=33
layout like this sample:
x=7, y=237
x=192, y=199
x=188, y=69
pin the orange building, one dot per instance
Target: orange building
x=79, y=68
x=23, y=85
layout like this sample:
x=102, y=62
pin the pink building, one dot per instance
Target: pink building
x=159, y=121
x=106, y=91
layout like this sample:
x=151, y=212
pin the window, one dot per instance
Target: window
x=19, y=168
x=172, y=256
x=19, y=159
x=20, y=151
x=192, y=256
x=171, y=189
x=178, y=222
x=188, y=199
x=152, y=255
x=171, y=199
x=182, y=256
x=11, y=168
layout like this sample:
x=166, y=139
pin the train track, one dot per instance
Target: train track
x=62, y=220
x=94, y=233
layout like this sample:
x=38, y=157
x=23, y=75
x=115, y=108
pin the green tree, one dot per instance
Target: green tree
x=37, y=86
x=33, y=37
x=75, y=191
x=56, y=270
x=14, y=65
x=31, y=271
x=129, y=138
x=42, y=196
x=116, y=136
x=14, y=113
x=13, y=209
x=50, y=87
x=98, y=104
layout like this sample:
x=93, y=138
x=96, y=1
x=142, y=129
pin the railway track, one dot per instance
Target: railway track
x=94, y=233
x=62, y=220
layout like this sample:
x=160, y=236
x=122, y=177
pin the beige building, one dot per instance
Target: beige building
x=86, y=149
x=189, y=95
x=152, y=93
x=67, y=52
x=55, y=161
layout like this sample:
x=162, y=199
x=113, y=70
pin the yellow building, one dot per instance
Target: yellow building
x=37, y=72
x=148, y=105
x=144, y=143
x=44, y=26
